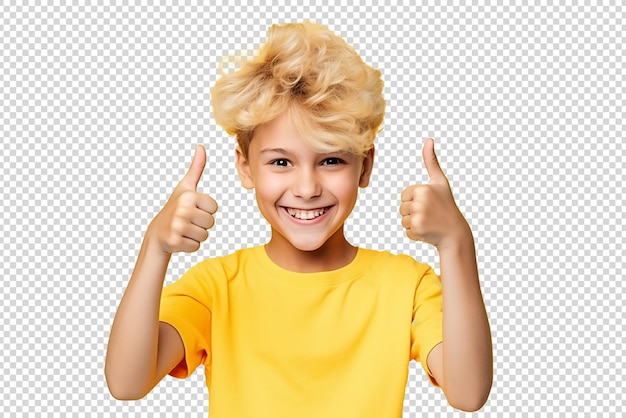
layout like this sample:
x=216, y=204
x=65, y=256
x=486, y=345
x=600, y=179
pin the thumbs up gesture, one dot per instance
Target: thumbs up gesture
x=429, y=212
x=183, y=223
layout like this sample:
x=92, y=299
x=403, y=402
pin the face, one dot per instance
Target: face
x=306, y=196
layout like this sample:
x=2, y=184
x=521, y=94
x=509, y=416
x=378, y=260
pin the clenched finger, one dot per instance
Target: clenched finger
x=196, y=233
x=206, y=203
x=202, y=219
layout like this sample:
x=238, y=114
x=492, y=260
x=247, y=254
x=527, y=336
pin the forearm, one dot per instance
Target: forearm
x=133, y=343
x=467, y=350
x=141, y=350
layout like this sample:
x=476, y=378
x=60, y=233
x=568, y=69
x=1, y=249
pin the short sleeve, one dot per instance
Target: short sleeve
x=427, y=324
x=185, y=306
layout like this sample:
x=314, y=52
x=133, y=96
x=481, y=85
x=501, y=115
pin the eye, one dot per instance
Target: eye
x=333, y=161
x=280, y=162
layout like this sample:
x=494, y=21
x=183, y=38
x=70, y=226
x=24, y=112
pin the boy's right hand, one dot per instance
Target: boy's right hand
x=184, y=221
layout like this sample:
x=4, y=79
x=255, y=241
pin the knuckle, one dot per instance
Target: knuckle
x=177, y=226
x=176, y=240
x=187, y=198
x=415, y=207
x=182, y=216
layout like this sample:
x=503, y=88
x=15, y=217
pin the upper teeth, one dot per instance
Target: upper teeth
x=306, y=214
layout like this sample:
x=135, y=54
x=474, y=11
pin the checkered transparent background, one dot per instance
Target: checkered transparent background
x=101, y=107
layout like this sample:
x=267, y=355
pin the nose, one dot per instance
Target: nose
x=306, y=184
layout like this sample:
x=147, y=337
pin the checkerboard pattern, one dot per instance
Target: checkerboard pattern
x=101, y=106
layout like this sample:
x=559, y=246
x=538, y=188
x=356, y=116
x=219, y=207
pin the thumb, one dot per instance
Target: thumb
x=192, y=178
x=435, y=173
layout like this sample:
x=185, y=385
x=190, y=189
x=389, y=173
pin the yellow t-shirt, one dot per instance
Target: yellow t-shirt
x=279, y=344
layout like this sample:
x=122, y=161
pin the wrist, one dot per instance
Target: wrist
x=460, y=239
x=152, y=245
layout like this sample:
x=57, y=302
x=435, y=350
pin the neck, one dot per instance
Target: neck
x=335, y=253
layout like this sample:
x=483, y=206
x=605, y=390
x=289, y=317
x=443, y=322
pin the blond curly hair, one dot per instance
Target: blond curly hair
x=308, y=71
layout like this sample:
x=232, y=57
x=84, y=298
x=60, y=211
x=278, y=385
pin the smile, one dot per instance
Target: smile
x=307, y=215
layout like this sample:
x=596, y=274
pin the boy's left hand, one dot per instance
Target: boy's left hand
x=429, y=212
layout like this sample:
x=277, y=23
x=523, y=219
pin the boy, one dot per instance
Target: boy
x=307, y=325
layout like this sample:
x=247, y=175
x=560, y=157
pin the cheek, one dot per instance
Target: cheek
x=268, y=190
x=346, y=189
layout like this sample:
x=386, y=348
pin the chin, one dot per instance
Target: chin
x=306, y=242
x=307, y=246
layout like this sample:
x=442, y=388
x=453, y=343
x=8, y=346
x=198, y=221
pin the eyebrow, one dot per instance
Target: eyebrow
x=275, y=151
x=283, y=151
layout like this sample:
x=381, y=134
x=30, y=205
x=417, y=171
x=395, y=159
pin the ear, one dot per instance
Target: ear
x=366, y=170
x=243, y=169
